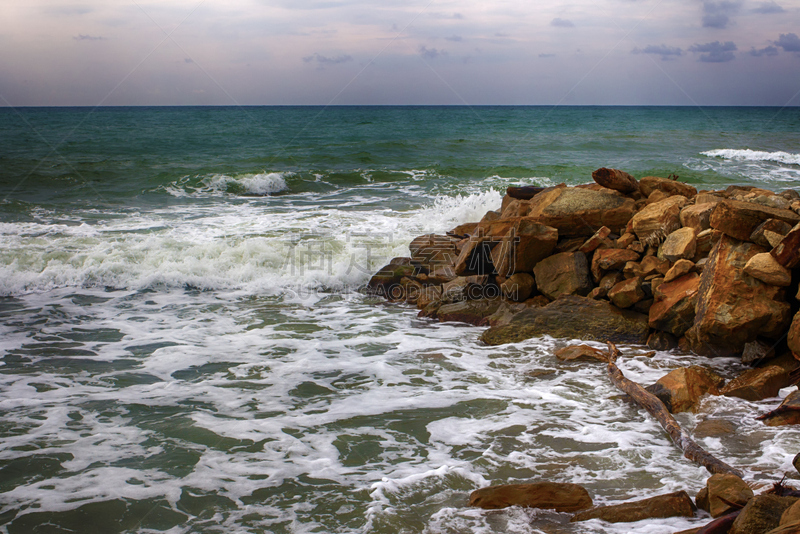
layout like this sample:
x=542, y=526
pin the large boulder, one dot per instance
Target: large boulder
x=627, y=292
x=739, y=219
x=762, y=513
x=794, y=336
x=766, y=268
x=648, y=184
x=656, y=221
x=581, y=212
x=615, y=179
x=561, y=497
x=770, y=233
x=726, y=493
x=733, y=308
x=468, y=311
x=611, y=259
x=476, y=254
x=518, y=287
x=788, y=413
x=787, y=252
x=697, y=216
x=677, y=504
x=573, y=317
x=757, y=384
x=386, y=282
x=680, y=390
x=680, y=244
x=566, y=273
x=673, y=310
x=526, y=244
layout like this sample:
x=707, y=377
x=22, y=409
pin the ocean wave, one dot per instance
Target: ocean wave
x=754, y=155
x=448, y=212
x=251, y=184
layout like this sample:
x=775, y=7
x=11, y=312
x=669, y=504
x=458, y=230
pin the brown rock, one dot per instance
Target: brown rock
x=787, y=252
x=724, y=489
x=677, y=504
x=581, y=212
x=468, y=311
x=662, y=341
x=791, y=514
x=757, y=351
x=674, y=308
x=563, y=274
x=786, y=528
x=697, y=216
x=788, y=413
x=574, y=318
x=504, y=313
x=732, y=307
x=714, y=428
x=545, y=495
x=757, y=384
x=627, y=293
x=657, y=196
x=766, y=268
x=581, y=352
x=680, y=390
x=769, y=233
x=518, y=287
x=680, y=244
x=526, y=244
x=739, y=219
x=648, y=184
x=611, y=259
x=656, y=221
x=429, y=294
x=651, y=265
x=615, y=179
x=476, y=254
x=625, y=240
x=761, y=514
x=681, y=267
x=386, y=282
x=706, y=240
x=596, y=240
x=525, y=192
x=793, y=338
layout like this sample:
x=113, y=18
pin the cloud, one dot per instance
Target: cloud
x=718, y=14
x=547, y=55
x=562, y=23
x=324, y=60
x=765, y=8
x=789, y=42
x=768, y=51
x=454, y=38
x=82, y=37
x=188, y=60
x=660, y=50
x=715, y=52
x=430, y=53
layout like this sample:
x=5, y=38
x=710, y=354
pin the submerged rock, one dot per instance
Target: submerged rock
x=677, y=504
x=561, y=497
x=680, y=390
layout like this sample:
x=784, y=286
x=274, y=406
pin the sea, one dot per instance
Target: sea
x=186, y=345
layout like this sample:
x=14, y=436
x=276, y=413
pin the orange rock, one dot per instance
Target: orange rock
x=615, y=179
x=674, y=308
x=546, y=495
x=757, y=384
x=677, y=504
x=648, y=184
x=656, y=221
x=787, y=252
x=680, y=390
x=566, y=273
x=739, y=219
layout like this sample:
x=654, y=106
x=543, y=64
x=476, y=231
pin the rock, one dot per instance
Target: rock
x=476, y=255
x=544, y=495
x=677, y=504
x=662, y=341
x=581, y=212
x=769, y=233
x=573, y=317
x=429, y=294
x=740, y=219
x=627, y=293
x=611, y=259
x=625, y=240
x=386, y=282
x=525, y=192
x=706, y=240
x=732, y=307
x=596, y=240
x=766, y=268
x=791, y=514
x=518, y=287
x=674, y=308
x=714, y=428
x=464, y=229
x=566, y=273
x=648, y=184
x=651, y=265
x=757, y=384
x=724, y=489
x=681, y=267
x=761, y=514
x=526, y=244
x=581, y=352
x=793, y=337
x=680, y=390
x=680, y=244
x=657, y=196
x=788, y=413
x=787, y=252
x=468, y=311
x=787, y=528
x=491, y=216
x=656, y=221
x=615, y=179
x=757, y=351
x=456, y=290
x=697, y=216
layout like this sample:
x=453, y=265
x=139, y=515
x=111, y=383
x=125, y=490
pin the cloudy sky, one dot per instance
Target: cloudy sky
x=197, y=52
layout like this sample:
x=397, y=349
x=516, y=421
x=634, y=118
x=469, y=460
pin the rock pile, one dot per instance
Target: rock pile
x=649, y=261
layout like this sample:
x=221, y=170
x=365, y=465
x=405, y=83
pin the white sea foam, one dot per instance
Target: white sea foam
x=754, y=155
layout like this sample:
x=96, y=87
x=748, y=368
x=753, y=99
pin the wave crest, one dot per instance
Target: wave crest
x=754, y=155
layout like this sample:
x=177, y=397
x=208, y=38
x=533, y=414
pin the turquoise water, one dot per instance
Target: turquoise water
x=183, y=346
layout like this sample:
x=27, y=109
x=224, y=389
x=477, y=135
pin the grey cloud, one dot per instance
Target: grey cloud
x=188, y=60
x=547, y=55
x=789, y=42
x=765, y=8
x=430, y=53
x=454, y=38
x=327, y=60
x=718, y=14
x=768, y=51
x=660, y=50
x=715, y=52
x=82, y=37
x=562, y=23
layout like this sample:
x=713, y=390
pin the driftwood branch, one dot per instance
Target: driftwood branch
x=656, y=408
